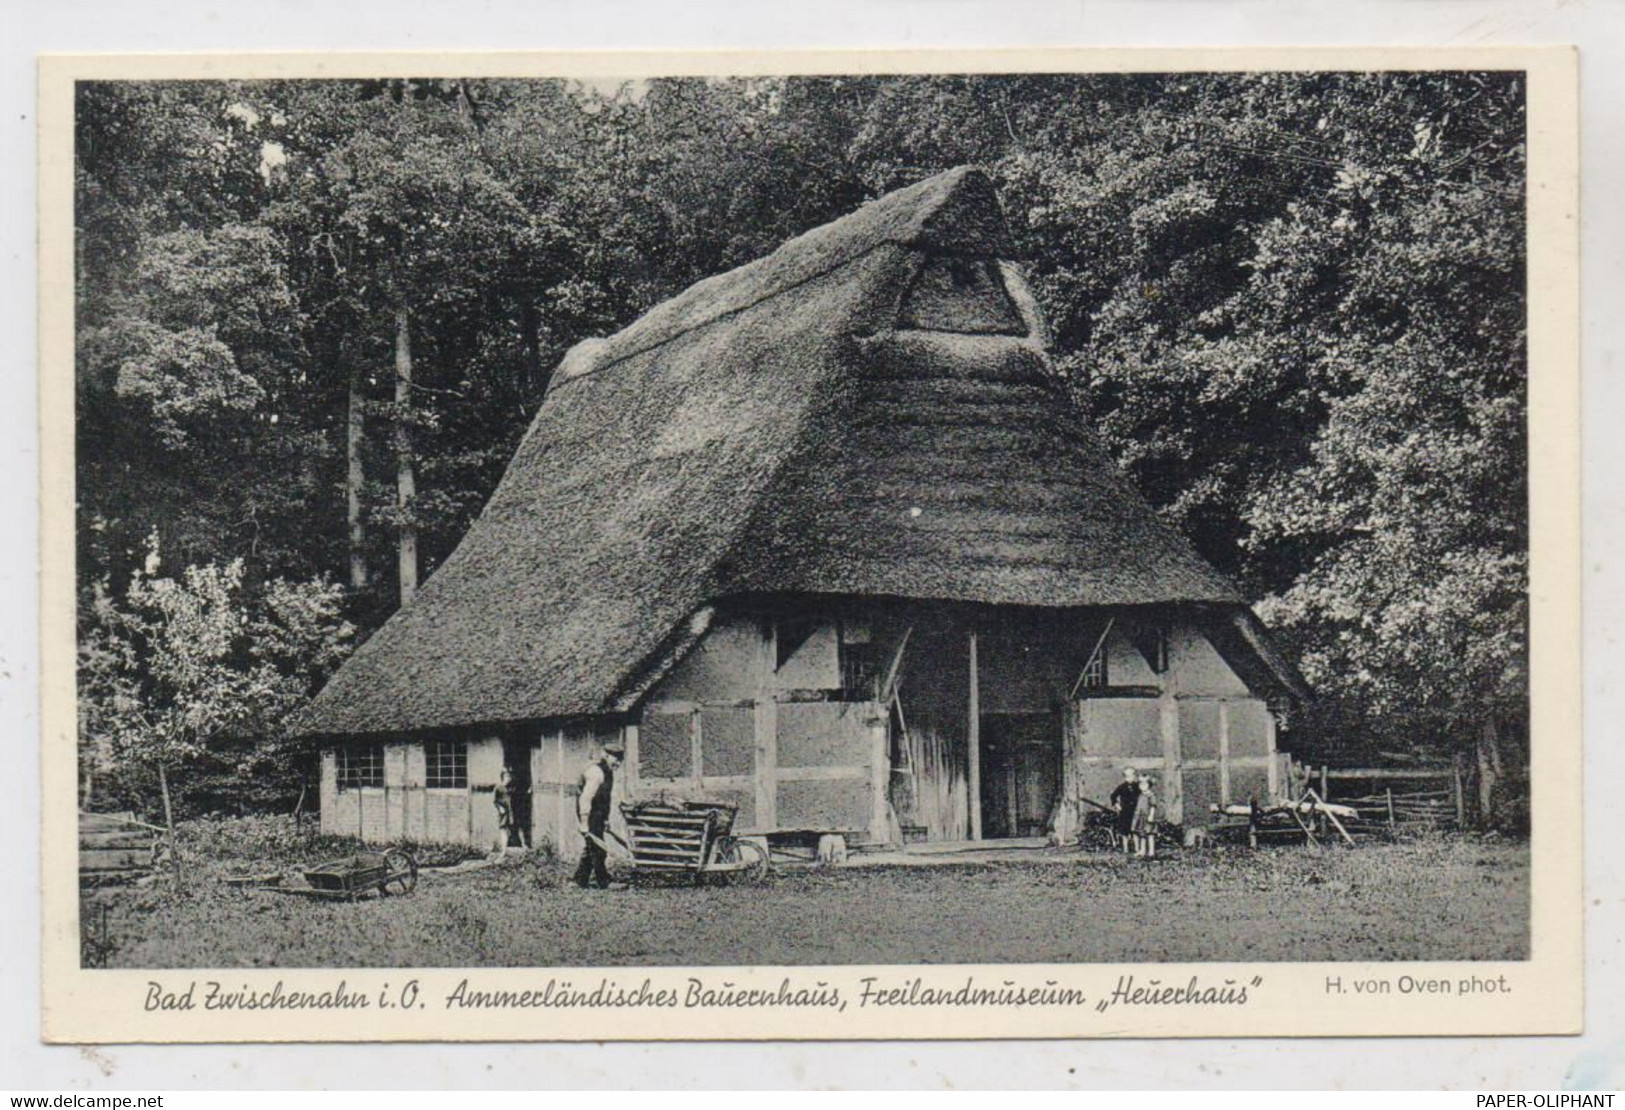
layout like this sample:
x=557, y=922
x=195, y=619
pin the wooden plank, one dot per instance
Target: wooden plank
x=821, y=774
x=665, y=812
x=683, y=843
x=122, y=838
x=668, y=820
x=115, y=859
x=107, y=822
x=1097, y=692
x=679, y=836
x=1335, y=774
x=973, y=744
x=641, y=850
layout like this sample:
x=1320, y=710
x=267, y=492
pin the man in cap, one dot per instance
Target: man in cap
x=592, y=813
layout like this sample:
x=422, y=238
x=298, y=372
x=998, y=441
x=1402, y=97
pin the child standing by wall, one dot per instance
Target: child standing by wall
x=1145, y=819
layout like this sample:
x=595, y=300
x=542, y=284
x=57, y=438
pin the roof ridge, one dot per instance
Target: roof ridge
x=904, y=218
x=716, y=318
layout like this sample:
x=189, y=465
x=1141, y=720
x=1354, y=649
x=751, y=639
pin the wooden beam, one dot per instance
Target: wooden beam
x=1102, y=692
x=973, y=744
x=888, y=689
x=1100, y=645
x=563, y=820
x=1332, y=817
x=823, y=774
x=1336, y=774
x=695, y=746
x=880, y=774
x=765, y=723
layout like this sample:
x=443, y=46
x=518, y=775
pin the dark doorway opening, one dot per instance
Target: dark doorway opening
x=516, y=757
x=1021, y=773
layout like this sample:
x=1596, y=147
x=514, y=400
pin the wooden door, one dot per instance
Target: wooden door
x=1021, y=773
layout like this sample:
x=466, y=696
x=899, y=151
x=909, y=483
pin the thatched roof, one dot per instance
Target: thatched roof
x=788, y=427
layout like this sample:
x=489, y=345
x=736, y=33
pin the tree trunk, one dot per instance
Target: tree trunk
x=405, y=475
x=169, y=822
x=530, y=324
x=355, y=478
x=1488, y=755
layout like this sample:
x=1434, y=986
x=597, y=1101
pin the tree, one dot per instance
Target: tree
x=196, y=674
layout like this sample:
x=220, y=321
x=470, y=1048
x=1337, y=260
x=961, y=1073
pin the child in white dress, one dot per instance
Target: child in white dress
x=1145, y=819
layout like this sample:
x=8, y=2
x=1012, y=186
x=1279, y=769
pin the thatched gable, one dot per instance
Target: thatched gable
x=867, y=411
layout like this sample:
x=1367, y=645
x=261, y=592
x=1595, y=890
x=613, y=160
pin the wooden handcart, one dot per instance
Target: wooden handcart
x=687, y=839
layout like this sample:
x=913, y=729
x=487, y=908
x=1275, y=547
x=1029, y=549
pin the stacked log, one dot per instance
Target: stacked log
x=117, y=846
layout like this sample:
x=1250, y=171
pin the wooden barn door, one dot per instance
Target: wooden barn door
x=1021, y=772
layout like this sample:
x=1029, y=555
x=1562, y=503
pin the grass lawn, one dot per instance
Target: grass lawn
x=1434, y=899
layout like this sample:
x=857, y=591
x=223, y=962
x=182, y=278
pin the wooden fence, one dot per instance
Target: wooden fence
x=1391, y=797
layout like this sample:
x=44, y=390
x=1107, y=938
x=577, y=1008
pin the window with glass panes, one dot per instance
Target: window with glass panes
x=445, y=765
x=360, y=765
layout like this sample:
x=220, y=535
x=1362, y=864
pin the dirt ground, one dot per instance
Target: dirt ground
x=1430, y=899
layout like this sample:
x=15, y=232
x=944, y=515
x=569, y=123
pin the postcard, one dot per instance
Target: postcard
x=943, y=544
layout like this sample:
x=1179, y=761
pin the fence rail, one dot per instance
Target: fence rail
x=1392, y=796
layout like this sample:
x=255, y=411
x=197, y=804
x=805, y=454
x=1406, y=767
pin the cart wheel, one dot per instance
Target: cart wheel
x=744, y=859
x=403, y=872
x=754, y=858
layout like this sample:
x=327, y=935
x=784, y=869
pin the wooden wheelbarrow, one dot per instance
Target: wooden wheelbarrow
x=688, y=839
x=347, y=879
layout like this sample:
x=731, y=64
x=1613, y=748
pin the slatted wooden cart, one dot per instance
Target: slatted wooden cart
x=684, y=839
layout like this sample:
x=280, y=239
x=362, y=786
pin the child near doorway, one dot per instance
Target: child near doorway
x=1145, y=819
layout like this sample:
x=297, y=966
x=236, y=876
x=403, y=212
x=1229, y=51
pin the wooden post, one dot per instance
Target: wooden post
x=1391, y=823
x=1323, y=771
x=880, y=776
x=695, y=746
x=1459, y=797
x=765, y=722
x=562, y=824
x=973, y=745
x=169, y=822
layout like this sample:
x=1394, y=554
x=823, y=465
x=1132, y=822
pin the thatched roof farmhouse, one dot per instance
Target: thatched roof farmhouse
x=825, y=537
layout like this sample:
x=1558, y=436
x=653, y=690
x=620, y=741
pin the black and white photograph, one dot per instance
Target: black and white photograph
x=909, y=520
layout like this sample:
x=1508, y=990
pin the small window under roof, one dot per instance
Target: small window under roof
x=964, y=295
